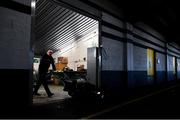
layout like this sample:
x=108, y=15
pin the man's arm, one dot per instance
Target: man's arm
x=53, y=65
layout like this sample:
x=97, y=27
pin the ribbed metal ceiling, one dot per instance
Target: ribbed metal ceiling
x=56, y=26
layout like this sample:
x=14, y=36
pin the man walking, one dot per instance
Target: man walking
x=44, y=65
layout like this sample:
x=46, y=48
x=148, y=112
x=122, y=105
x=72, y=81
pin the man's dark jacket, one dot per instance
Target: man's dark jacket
x=45, y=62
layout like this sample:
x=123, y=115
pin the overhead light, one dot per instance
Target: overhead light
x=33, y=4
x=158, y=61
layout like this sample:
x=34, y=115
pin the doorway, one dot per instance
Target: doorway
x=73, y=37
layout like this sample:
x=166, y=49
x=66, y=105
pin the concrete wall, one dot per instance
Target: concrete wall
x=170, y=68
x=178, y=68
x=16, y=55
x=160, y=67
x=113, y=52
x=172, y=51
x=140, y=67
x=15, y=39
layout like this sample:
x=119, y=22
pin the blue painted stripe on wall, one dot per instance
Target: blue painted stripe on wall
x=116, y=80
x=160, y=76
x=138, y=78
x=113, y=80
x=170, y=75
x=178, y=75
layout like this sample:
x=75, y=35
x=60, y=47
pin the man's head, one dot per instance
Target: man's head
x=49, y=52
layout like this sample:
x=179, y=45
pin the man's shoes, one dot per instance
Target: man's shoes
x=36, y=94
x=51, y=94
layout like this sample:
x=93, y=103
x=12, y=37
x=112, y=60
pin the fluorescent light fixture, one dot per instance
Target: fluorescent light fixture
x=33, y=3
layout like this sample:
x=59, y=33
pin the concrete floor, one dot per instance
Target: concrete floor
x=160, y=102
x=59, y=95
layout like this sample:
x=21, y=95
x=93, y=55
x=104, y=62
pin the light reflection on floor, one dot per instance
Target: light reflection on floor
x=59, y=95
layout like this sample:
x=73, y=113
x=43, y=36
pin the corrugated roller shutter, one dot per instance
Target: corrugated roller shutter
x=57, y=26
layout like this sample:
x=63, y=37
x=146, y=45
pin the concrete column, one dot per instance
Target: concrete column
x=16, y=55
x=129, y=54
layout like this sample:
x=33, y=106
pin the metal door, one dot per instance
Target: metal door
x=150, y=65
x=92, y=63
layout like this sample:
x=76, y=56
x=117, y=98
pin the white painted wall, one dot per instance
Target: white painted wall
x=78, y=50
